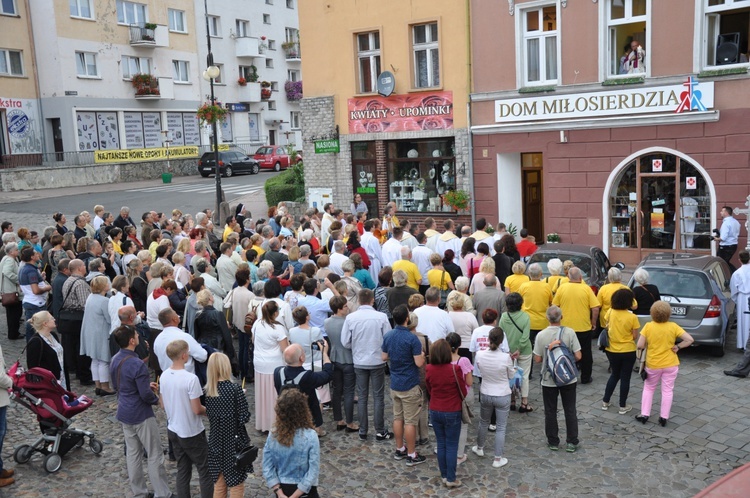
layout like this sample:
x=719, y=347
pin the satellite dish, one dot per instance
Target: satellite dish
x=386, y=83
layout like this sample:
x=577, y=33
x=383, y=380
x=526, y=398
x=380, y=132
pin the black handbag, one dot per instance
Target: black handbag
x=246, y=455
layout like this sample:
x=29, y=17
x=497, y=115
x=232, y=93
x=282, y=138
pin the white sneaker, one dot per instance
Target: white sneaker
x=500, y=463
x=625, y=409
x=605, y=406
x=461, y=459
x=477, y=451
x=492, y=428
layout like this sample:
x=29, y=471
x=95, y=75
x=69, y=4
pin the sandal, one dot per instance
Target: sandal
x=525, y=408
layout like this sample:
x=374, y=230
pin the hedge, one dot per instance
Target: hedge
x=282, y=187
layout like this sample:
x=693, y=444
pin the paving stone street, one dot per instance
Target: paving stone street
x=707, y=436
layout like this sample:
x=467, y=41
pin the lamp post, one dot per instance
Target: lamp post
x=210, y=74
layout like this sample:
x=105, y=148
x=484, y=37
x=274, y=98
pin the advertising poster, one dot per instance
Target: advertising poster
x=88, y=138
x=133, y=130
x=191, y=128
x=109, y=137
x=412, y=112
x=152, y=129
x=174, y=124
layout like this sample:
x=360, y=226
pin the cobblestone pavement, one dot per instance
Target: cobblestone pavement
x=707, y=436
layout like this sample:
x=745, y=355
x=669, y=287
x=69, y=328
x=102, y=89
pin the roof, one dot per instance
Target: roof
x=574, y=248
x=682, y=259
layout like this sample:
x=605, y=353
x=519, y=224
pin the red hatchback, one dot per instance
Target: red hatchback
x=274, y=157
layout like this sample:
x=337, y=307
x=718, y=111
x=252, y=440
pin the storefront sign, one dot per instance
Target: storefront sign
x=238, y=107
x=413, y=112
x=140, y=155
x=690, y=96
x=326, y=146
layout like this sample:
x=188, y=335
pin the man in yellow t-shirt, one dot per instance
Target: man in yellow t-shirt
x=413, y=277
x=580, y=309
x=537, y=297
x=228, y=228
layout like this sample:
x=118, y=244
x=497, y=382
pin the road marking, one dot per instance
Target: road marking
x=198, y=189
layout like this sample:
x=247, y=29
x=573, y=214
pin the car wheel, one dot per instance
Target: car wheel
x=204, y=175
x=277, y=166
x=717, y=351
x=255, y=169
x=228, y=171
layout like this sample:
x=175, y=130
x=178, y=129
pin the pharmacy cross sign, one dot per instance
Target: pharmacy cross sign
x=746, y=212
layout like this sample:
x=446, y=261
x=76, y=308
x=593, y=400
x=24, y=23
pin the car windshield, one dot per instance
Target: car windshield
x=581, y=261
x=680, y=283
x=210, y=156
x=264, y=151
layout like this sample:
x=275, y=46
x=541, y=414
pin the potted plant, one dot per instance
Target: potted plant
x=293, y=90
x=253, y=76
x=553, y=238
x=291, y=48
x=262, y=46
x=265, y=89
x=211, y=113
x=150, y=25
x=242, y=81
x=457, y=199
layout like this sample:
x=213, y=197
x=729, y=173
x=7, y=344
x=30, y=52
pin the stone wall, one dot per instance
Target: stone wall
x=13, y=180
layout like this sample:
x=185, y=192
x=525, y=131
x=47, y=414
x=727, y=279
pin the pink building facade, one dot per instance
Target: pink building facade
x=616, y=123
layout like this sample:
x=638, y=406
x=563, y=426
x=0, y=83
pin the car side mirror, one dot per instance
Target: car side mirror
x=620, y=266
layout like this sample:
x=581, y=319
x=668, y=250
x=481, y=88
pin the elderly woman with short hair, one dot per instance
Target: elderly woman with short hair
x=464, y=323
x=614, y=283
x=556, y=278
x=461, y=290
x=9, y=284
x=515, y=281
x=644, y=293
x=487, y=268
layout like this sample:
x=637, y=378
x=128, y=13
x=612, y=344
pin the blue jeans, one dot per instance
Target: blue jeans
x=3, y=427
x=344, y=381
x=447, y=427
x=500, y=406
x=29, y=311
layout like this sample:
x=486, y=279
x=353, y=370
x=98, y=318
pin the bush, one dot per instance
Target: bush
x=287, y=186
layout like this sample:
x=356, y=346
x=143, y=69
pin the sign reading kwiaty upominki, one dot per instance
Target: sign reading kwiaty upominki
x=412, y=112
x=689, y=96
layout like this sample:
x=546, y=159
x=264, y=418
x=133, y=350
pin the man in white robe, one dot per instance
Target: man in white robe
x=448, y=240
x=408, y=239
x=374, y=252
x=431, y=234
x=481, y=236
x=740, y=287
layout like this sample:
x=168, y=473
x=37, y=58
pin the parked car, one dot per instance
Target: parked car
x=697, y=289
x=591, y=260
x=230, y=162
x=274, y=157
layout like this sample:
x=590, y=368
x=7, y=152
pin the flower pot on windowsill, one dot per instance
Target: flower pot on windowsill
x=166, y=177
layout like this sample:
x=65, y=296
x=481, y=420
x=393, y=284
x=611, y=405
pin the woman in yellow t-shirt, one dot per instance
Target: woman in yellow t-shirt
x=438, y=277
x=606, y=292
x=515, y=281
x=555, y=280
x=622, y=327
x=660, y=336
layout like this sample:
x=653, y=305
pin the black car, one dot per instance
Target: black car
x=591, y=260
x=230, y=162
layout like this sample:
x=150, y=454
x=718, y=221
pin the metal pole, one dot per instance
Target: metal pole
x=215, y=144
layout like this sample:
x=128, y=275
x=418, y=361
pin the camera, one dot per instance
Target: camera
x=716, y=232
x=316, y=346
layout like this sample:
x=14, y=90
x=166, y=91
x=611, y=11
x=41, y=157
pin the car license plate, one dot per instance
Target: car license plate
x=679, y=310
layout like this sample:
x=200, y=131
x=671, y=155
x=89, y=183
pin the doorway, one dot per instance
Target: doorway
x=57, y=139
x=659, y=202
x=272, y=137
x=533, y=204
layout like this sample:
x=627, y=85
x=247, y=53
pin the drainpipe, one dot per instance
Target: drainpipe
x=468, y=115
x=32, y=41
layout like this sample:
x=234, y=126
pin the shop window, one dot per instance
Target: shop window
x=539, y=45
x=726, y=26
x=660, y=202
x=626, y=25
x=364, y=169
x=368, y=60
x=420, y=172
x=426, y=55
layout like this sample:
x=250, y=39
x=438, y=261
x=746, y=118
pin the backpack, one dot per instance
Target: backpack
x=290, y=383
x=561, y=363
x=250, y=318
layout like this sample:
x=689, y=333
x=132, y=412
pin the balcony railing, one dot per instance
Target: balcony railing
x=292, y=51
x=140, y=35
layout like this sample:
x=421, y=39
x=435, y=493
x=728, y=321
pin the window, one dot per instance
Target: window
x=131, y=13
x=726, y=32
x=242, y=28
x=626, y=36
x=11, y=63
x=269, y=63
x=181, y=72
x=8, y=7
x=135, y=65
x=292, y=75
x=219, y=80
x=294, y=120
x=177, y=21
x=271, y=105
x=266, y=18
x=289, y=4
x=368, y=55
x=292, y=34
x=271, y=44
x=274, y=86
x=213, y=26
x=269, y=2
x=539, y=45
x=81, y=8
x=86, y=65
x=426, y=55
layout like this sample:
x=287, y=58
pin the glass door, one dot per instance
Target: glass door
x=657, y=212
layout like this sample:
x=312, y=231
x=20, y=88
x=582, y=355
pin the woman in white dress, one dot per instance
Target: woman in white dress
x=270, y=340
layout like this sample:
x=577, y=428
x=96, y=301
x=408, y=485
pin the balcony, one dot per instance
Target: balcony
x=249, y=47
x=148, y=35
x=149, y=87
x=292, y=51
x=293, y=91
x=249, y=93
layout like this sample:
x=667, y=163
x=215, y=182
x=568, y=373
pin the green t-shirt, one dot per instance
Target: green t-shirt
x=518, y=332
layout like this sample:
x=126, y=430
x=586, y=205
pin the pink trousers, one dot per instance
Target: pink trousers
x=667, y=377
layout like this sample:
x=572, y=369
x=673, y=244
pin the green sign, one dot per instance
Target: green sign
x=326, y=146
x=366, y=190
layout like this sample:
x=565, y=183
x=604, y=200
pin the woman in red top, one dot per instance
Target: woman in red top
x=354, y=247
x=445, y=383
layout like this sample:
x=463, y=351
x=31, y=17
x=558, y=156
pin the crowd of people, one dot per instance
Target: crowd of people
x=313, y=312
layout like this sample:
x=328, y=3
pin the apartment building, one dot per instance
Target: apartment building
x=384, y=113
x=255, y=44
x=617, y=123
x=20, y=121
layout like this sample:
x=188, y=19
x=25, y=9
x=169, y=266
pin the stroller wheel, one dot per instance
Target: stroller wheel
x=96, y=446
x=22, y=454
x=52, y=463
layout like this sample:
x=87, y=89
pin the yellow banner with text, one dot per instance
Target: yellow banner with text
x=139, y=155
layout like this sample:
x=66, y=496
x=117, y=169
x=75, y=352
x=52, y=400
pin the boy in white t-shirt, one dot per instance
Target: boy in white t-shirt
x=180, y=395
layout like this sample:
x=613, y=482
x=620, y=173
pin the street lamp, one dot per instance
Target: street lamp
x=210, y=74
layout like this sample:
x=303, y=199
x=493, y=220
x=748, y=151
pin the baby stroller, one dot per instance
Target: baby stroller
x=38, y=390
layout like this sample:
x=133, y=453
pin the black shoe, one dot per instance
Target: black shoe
x=732, y=373
x=400, y=455
x=642, y=419
x=363, y=437
x=98, y=391
x=587, y=381
x=662, y=421
x=87, y=382
x=382, y=436
x=350, y=430
x=415, y=460
x=102, y=392
x=422, y=442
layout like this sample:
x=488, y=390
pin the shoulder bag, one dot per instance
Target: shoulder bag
x=8, y=298
x=642, y=362
x=466, y=414
x=246, y=453
x=603, y=340
x=71, y=315
x=443, y=293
